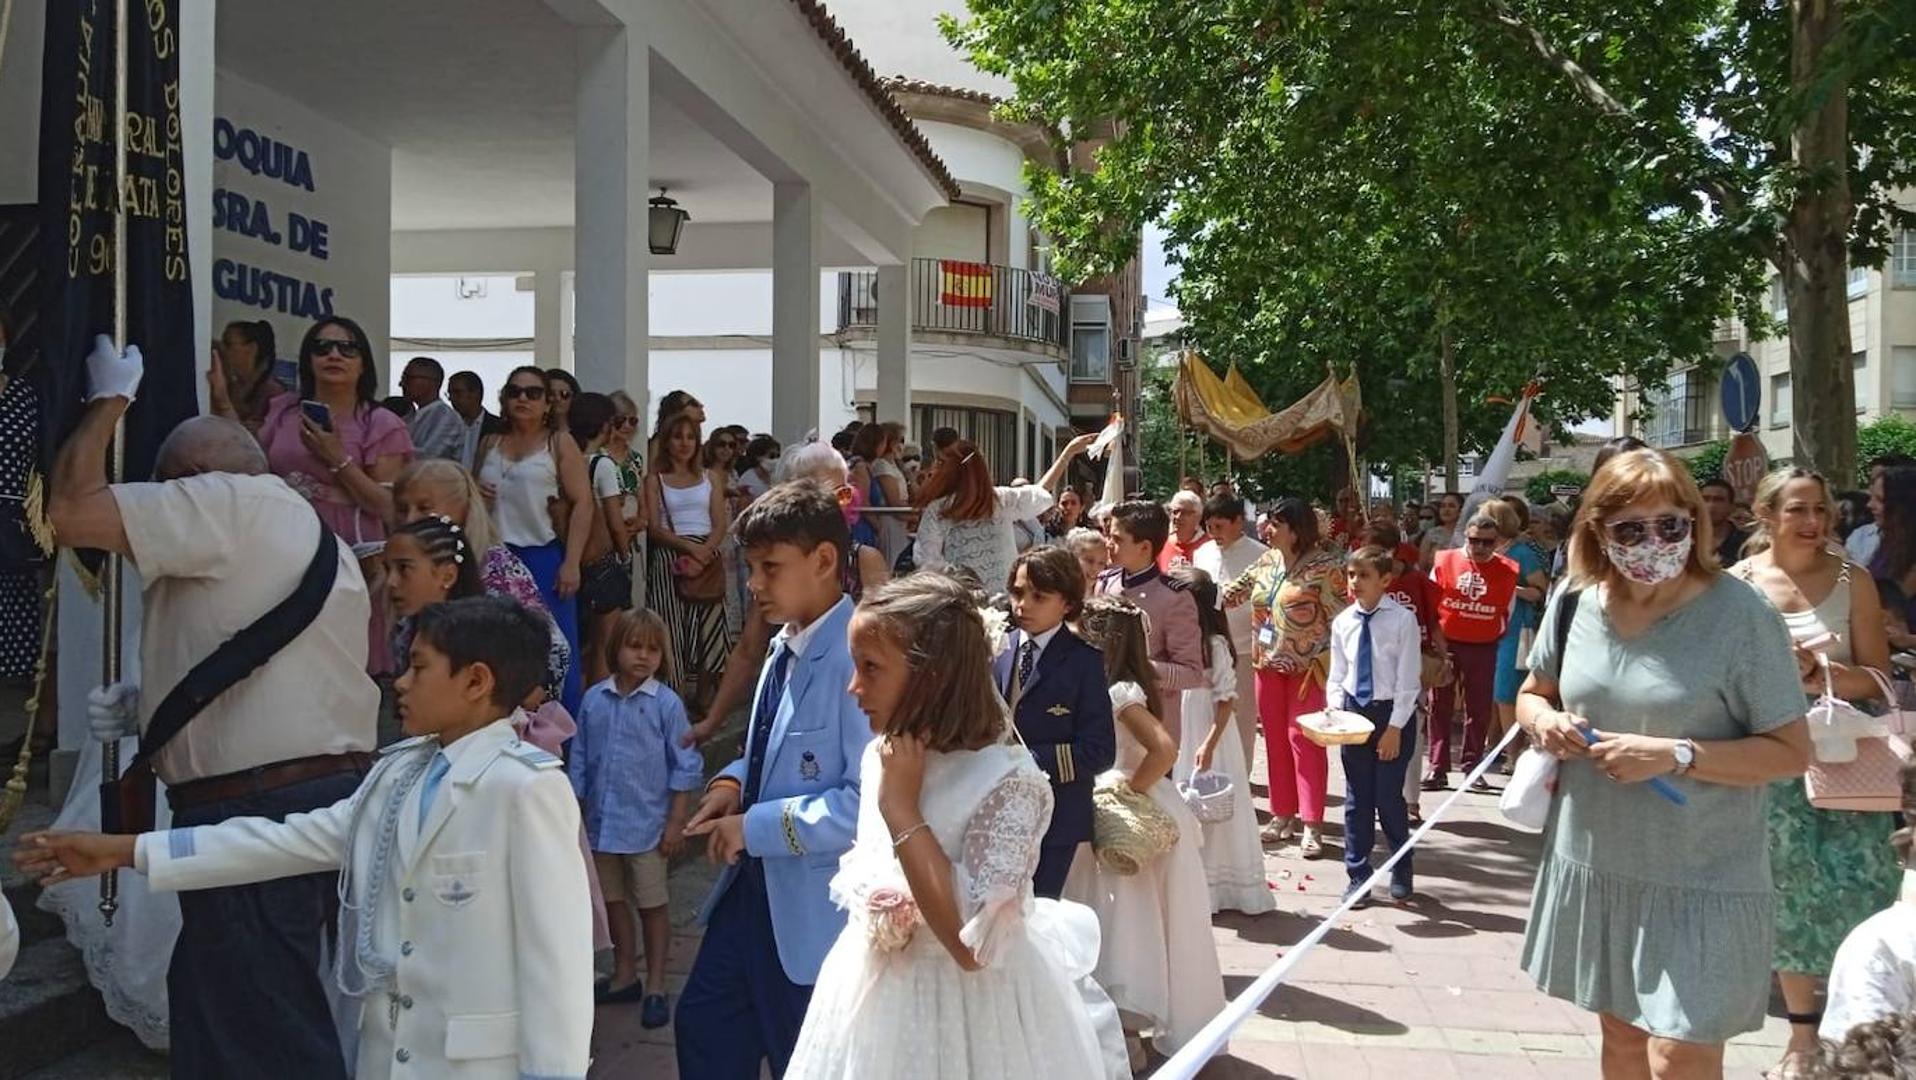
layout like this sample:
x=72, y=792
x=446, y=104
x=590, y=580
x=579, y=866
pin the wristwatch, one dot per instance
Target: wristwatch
x=1685, y=753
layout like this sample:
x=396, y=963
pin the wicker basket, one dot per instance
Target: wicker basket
x=1337, y=727
x=1128, y=829
x=1210, y=795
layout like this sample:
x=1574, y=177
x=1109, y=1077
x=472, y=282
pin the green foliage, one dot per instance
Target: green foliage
x=1536, y=490
x=1889, y=434
x=1707, y=462
x=1575, y=188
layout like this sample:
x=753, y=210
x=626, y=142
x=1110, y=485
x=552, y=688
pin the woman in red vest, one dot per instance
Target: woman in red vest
x=1474, y=587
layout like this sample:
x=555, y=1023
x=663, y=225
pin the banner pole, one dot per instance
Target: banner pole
x=111, y=595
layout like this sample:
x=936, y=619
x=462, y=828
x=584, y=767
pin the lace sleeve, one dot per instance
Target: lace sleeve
x=997, y=857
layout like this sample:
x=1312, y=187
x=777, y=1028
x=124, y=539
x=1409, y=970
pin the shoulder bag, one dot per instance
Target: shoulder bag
x=1525, y=801
x=693, y=583
x=1857, y=760
x=605, y=583
x=126, y=801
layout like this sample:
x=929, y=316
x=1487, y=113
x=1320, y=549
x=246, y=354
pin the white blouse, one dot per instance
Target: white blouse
x=985, y=546
x=688, y=510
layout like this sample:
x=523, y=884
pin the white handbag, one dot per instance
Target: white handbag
x=1525, y=801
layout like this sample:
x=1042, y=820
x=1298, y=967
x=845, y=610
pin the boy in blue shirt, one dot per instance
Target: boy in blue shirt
x=635, y=776
x=778, y=818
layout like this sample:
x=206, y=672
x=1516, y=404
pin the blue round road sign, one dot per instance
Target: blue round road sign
x=1742, y=392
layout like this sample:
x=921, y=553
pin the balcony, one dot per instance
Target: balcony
x=954, y=297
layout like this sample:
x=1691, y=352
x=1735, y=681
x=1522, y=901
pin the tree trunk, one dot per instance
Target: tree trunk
x=1814, y=260
x=1447, y=373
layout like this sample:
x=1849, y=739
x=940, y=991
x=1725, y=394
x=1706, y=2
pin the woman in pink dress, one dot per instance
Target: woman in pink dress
x=332, y=443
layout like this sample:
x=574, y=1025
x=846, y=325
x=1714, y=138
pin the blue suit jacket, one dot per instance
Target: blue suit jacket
x=807, y=808
x=1064, y=716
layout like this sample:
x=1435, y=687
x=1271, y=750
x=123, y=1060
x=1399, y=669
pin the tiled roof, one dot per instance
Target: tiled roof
x=861, y=72
x=925, y=86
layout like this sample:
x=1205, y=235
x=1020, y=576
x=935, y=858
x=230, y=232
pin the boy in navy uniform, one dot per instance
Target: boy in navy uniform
x=1055, y=683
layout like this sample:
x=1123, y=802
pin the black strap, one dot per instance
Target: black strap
x=1566, y=612
x=244, y=652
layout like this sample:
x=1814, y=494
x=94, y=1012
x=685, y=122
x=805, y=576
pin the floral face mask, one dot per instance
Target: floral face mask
x=1652, y=561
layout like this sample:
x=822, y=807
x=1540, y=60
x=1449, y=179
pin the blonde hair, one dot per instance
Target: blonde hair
x=951, y=701
x=640, y=626
x=1497, y=514
x=1633, y=477
x=1768, y=500
x=455, y=487
x=1117, y=627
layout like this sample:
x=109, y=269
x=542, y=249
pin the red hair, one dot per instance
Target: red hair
x=963, y=475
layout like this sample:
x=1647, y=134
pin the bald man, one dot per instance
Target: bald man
x=1187, y=532
x=219, y=542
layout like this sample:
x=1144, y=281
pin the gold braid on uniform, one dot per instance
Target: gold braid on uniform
x=16, y=789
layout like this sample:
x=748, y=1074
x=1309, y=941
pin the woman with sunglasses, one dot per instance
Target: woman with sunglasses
x=1833, y=868
x=879, y=481
x=688, y=524
x=561, y=389
x=332, y=443
x=1474, y=586
x=535, y=482
x=1654, y=914
x=757, y=466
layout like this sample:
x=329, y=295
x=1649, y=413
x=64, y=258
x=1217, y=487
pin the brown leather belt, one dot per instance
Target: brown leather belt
x=263, y=778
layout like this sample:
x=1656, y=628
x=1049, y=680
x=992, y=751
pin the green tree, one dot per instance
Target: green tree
x=1886, y=435
x=1448, y=194
x=1537, y=491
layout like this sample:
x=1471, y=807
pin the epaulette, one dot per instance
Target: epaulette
x=527, y=754
x=404, y=745
x=1174, y=583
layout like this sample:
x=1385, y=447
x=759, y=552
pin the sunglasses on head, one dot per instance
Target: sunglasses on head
x=1630, y=532
x=346, y=349
x=530, y=393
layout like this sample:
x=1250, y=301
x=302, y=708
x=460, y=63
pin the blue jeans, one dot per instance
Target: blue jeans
x=244, y=985
x=1374, y=794
x=544, y=562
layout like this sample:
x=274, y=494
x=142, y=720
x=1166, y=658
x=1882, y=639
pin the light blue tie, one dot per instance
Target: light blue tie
x=429, y=786
x=1364, y=660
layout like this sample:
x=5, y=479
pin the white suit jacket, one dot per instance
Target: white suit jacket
x=484, y=909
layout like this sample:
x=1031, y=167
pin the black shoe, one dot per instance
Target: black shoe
x=1437, y=782
x=1400, y=891
x=1356, y=888
x=624, y=995
x=1481, y=786
x=654, y=1013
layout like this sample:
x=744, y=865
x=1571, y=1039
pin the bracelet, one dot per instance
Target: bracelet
x=339, y=468
x=899, y=840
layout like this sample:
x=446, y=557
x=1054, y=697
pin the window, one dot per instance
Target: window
x=1031, y=450
x=1090, y=352
x=1902, y=373
x=1779, y=401
x=1902, y=260
x=1678, y=414
x=1858, y=281
x=1864, y=381
x=1779, y=299
x=994, y=433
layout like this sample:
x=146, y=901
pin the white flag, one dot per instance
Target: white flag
x=1496, y=470
x=1107, y=444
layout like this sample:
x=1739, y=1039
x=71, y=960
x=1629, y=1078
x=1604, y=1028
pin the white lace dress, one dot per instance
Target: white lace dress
x=1164, y=978
x=879, y=1015
x=1233, y=858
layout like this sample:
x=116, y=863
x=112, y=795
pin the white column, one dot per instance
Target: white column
x=548, y=304
x=612, y=155
x=196, y=137
x=895, y=300
x=795, y=374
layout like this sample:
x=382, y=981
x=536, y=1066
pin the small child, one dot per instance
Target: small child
x=635, y=776
x=1093, y=553
x=1874, y=974
x=1376, y=670
x=463, y=923
x=1233, y=858
x=1055, y=684
x=1164, y=975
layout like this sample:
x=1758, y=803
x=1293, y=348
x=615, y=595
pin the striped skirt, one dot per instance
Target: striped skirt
x=700, y=638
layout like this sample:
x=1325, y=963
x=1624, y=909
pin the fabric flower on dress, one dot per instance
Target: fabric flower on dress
x=891, y=916
x=997, y=629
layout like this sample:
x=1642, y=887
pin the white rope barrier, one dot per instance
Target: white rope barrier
x=1211, y=1038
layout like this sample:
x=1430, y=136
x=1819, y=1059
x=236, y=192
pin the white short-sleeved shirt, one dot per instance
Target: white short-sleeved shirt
x=605, y=478
x=216, y=552
x=1874, y=975
x=1224, y=565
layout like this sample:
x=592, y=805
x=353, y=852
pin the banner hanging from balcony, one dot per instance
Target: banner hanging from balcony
x=1229, y=411
x=1046, y=294
x=964, y=284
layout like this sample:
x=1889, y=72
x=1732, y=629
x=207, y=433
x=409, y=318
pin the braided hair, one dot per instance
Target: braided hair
x=444, y=541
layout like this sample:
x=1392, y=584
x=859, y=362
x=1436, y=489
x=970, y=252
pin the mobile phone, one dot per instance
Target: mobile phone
x=318, y=413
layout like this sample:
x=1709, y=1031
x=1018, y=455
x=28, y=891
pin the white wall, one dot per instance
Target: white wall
x=736, y=384
x=20, y=104
x=268, y=276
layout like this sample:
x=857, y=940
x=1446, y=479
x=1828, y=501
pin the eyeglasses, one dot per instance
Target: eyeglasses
x=625, y=421
x=1630, y=532
x=563, y=393
x=1481, y=541
x=346, y=349
x=530, y=393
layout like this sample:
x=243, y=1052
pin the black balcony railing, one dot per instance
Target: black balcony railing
x=967, y=298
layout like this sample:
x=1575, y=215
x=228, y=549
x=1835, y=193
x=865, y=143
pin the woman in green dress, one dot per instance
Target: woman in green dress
x=1652, y=914
x=1833, y=868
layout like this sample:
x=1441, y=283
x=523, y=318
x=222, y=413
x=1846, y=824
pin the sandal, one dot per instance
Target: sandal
x=1310, y=847
x=1278, y=829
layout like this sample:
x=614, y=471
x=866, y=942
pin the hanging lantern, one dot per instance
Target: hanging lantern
x=664, y=223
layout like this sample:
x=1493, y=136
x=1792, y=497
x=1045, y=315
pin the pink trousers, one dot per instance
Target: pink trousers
x=1299, y=767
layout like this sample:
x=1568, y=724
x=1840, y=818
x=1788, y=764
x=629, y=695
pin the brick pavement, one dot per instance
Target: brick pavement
x=1430, y=990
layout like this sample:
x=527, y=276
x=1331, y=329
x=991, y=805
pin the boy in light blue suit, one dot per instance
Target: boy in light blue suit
x=778, y=818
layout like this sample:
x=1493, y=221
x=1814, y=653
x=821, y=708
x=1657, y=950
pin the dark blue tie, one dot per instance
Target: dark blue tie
x=1363, y=659
x=762, y=717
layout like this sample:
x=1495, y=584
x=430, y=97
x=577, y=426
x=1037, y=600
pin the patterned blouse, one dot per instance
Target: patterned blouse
x=1299, y=604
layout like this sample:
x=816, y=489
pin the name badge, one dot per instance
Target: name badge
x=1267, y=635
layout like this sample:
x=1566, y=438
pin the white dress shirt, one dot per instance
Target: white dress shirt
x=1396, y=666
x=1863, y=543
x=1224, y=565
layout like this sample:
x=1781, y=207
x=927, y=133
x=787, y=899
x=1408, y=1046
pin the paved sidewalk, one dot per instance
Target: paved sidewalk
x=1431, y=990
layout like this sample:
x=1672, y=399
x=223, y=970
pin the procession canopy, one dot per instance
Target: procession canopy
x=1229, y=411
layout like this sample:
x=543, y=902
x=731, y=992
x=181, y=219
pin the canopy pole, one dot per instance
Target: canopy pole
x=112, y=580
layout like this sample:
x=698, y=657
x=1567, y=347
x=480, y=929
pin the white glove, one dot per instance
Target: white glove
x=113, y=712
x=112, y=373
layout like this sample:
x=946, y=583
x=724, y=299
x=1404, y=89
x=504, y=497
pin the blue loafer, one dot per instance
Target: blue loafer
x=653, y=1013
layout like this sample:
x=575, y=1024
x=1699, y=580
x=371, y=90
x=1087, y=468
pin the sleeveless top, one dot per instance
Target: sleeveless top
x=688, y=510
x=1831, y=616
x=525, y=485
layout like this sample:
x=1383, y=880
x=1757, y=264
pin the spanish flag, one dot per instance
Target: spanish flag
x=964, y=284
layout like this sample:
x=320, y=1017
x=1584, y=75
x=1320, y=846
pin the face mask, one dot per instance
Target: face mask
x=1652, y=562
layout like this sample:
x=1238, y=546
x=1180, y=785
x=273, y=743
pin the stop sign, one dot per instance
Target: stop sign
x=1745, y=465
